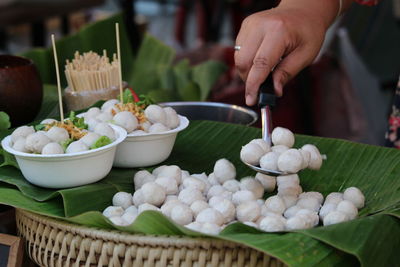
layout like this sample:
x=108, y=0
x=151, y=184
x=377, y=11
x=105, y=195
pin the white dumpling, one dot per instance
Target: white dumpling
x=290, y=161
x=48, y=121
x=251, y=184
x=279, y=149
x=315, y=162
x=57, y=134
x=36, y=141
x=104, y=117
x=269, y=161
x=268, y=182
x=52, y=148
x=155, y=114
x=90, y=138
x=224, y=170
x=158, y=128
x=105, y=129
x=92, y=123
x=282, y=136
x=108, y=104
x=172, y=119
x=92, y=113
x=22, y=131
x=251, y=153
x=354, y=195
x=126, y=120
x=266, y=147
x=145, y=126
x=19, y=145
x=75, y=147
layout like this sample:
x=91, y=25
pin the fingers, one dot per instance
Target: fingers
x=290, y=66
x=268, y=55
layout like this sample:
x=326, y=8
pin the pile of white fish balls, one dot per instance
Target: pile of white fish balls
x=208, y=203
x=154, y=118
x=281, y=156
x=57, y=140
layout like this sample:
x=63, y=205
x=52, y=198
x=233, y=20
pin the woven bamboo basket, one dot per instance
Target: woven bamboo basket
x=52, y=242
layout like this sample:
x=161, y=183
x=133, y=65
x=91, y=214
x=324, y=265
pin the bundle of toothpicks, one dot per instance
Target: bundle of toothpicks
x=91, y=71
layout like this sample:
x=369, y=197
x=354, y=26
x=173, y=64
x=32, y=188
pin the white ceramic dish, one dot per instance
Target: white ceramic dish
x=67, y=170
x=149, y=149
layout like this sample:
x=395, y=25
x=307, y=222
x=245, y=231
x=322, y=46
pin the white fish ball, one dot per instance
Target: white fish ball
x=145, y=126
x=92, y=123
x=292, y=179
x=279, y=149
x=57, y=134
x=272, y=224
x=326, y=208
x=251, y=224
x=242, y=196
x=19, y=145
x=224, y=170
x=267, y=181
x=47, y=121
x=290, y=161
x=212, y=179
x=22, y=131
x=227, y=209
x=182, y=214
x=122, y=199
x=232, y=186
x=103, y=128
x=112, y=211
x=131, y=209
x=335, y=217
x=289, y=200
x=155, y=114
x=197, y=206
x=76, y=146
x=248, y=211
x=315, y=159
x=210, y=228
x=269, y=161
x=194, y=226
x=36, y=141
x=138, y=198
x=126, y=120
x=147, y=206
x=190, y=195
x=109, y=103
x=297, y=223
x=210, y=215
x=170, y=197
x=312, y=204
x=215, y=190
x=167, y=207
x=172, y=119
x=169, y=184
x=158, y=170
x=158, y=128
x=348, y=208
x=91, y=113
x=185, y=174
x=306, y=155
x=251, y=153
x=251, y=184
x=90, y=138
x=192, y=182
x=290, y=212
x=170, y=171
x=142, y=177
x=282, y=136
x=214, y=200
x=52, y=148
x=354, y=195
x=203, y=177
x=153, y=193
x=117, y=220
x=275, y=204
x=334, y=198
x=311, y=217
x=262, y=143
x=104, y=117
x=129, y=217
x=288, y=189
x=313, y=194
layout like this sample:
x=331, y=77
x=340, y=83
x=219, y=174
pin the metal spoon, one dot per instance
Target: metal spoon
x=266, y=99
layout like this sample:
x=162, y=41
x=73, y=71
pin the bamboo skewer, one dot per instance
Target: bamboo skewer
x=58, y=78
x=119, y=62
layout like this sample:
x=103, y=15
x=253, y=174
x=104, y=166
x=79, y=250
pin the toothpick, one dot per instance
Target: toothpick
x=58, y=79
x=119, y=62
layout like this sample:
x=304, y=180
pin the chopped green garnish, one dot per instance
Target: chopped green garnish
x=40, y=127
x=66, y=143
x=4, y=121
x=145, y=100
x=127, y=96
x=102, y=141
x=78, y=122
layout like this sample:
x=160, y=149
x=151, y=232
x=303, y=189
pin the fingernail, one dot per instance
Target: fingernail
x=249, y=100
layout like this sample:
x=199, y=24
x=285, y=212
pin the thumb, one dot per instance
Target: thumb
x=289, y=67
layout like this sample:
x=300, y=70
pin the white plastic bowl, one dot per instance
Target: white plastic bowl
x=148, y=149
x=67, y=170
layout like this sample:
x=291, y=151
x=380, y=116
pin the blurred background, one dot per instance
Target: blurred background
x=346, y=93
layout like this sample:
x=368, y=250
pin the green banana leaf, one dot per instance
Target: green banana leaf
x=373, y=239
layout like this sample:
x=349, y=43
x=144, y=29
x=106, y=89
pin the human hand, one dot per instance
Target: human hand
x=285, y=39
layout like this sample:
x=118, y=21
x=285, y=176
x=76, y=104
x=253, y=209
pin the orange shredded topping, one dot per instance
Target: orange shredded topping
x=134, y=109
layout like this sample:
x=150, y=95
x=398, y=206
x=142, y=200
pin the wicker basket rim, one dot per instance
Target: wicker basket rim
x=129, y=238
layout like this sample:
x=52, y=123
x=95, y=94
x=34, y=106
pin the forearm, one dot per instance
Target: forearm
x=325, y=11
